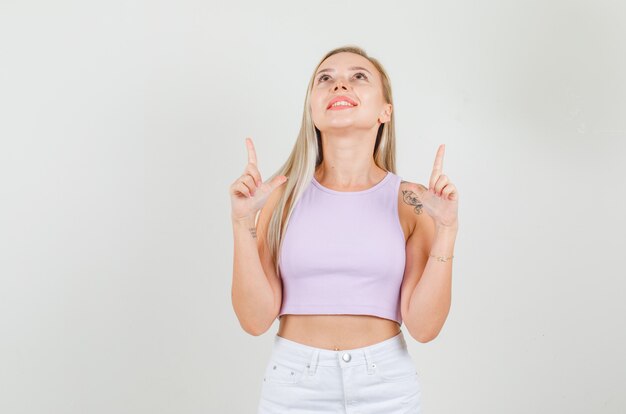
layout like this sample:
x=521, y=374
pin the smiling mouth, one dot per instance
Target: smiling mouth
x=340, y=105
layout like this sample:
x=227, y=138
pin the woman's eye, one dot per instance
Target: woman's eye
x=322, y=78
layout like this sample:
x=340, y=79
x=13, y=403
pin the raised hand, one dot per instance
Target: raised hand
x=248, y=193
x=440, y=199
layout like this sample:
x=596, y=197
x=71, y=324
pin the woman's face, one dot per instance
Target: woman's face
x=354, y=77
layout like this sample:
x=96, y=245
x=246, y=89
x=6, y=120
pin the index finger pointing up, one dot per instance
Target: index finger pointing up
x=251, y=151
x=438, y=166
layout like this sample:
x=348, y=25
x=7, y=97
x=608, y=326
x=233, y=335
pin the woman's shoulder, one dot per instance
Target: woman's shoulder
x=409, y=205
x=270, y=204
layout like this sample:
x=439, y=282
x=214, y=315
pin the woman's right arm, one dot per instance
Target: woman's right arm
x=256, y=288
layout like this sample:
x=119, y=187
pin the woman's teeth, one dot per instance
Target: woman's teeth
x=341, y=103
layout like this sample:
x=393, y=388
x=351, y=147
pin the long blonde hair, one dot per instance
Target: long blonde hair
x=307, y=155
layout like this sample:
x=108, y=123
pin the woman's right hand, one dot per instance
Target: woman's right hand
x=248, y=193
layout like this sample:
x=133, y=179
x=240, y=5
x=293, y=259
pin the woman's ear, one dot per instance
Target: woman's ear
x=385, y=116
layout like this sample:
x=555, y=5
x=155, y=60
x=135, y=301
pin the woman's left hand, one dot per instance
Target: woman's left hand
x=441, y=198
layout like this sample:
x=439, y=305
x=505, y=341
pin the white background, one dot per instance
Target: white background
x=122, y=126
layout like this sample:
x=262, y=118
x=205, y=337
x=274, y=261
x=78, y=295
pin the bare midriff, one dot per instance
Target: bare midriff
x=336, y=332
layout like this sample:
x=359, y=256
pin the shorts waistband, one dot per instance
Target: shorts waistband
x=331, y=358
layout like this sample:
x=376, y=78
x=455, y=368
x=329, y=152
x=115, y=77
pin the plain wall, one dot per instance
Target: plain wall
x=122, y=126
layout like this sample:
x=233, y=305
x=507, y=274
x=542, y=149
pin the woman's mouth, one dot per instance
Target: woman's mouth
x=340, y=105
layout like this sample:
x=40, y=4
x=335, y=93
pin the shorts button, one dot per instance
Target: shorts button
x=346, y=357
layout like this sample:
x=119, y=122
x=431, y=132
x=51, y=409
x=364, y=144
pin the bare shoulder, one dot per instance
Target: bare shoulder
x=266, y=212
x=411, y=208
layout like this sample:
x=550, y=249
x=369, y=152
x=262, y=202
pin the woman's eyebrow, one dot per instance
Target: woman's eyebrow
x=352, y=68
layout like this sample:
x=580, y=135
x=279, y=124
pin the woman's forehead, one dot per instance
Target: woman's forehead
x=346, y=59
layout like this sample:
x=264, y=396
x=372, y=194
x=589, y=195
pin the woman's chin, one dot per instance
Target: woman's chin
x=338, y=124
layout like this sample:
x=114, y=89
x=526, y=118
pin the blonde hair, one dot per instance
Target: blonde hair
x=307, y=154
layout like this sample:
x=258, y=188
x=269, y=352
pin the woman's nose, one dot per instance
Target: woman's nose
x=340, y=83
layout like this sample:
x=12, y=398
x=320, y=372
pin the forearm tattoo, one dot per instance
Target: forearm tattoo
x=253, y=232
x=411, y=198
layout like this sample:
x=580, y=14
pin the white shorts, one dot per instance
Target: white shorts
x=379, y=378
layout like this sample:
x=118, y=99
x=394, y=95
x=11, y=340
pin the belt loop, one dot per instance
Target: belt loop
x=312, y=365
x=369, y=361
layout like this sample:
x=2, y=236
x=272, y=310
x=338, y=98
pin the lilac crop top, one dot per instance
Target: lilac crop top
x=343, y=252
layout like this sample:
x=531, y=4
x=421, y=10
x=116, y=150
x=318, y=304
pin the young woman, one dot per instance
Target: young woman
x=342, y=253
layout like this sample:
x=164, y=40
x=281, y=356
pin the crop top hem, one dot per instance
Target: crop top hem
x=334, y=309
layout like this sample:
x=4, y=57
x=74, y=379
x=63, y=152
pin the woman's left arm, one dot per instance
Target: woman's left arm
x=428, y=301
x=427, y=287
